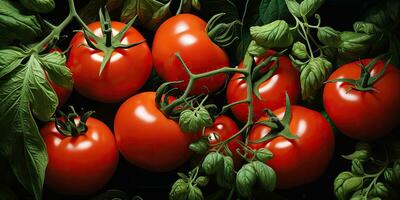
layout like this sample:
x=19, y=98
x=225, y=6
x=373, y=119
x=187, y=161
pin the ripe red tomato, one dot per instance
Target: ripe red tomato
x=272, y=91
x=302, y=160
x=147, y=138
x=62, y=93
x=223, y=128
x=364, y=115
x=83, y=164
x=186, y=34
x=125, y=73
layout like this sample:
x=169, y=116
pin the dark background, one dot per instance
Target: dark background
x=340, y=14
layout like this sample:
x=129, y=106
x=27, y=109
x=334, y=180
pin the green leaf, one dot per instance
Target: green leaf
x=15, y=25
x=25, y=93
x=179, y=190
x=255, y=49
x=313, y=76
x=365, y=27
x=354, y=44
x=294, y=7
x=195, y=193
x=226, y=179
x=362, y=152
x=40, y=6
x=309, y=7
x=379, y=190
x=265, y=175
x=192, y=121
x=389, y=175
x=202, y=181
x=329, y=36
x=271, y=10
x=213, y=162
x=10, y=58
x=199, y=146
x=274, y=34
x=341, y=191
x=357, y=167
x=299, y=50
x=263, y=154
x=245, y=180
x=54, y=63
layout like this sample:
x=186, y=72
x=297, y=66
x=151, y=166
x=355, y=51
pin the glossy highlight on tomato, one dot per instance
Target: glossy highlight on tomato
x=222, y=129
x=147, y=138
x=299, y=161
x=124, y=74
x=364, y=115
x=80, y=165
x=272, y=91
x=186, y=34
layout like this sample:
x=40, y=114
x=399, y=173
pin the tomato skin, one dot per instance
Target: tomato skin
x=185, y=34
x=83, y=164
x=223, y=128
x=364, y=115
x=126, y=72
x=272, y=91
x=303, y=160
x=147, y=138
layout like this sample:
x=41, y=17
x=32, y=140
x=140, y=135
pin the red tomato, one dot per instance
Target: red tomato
x=364, y=115
x=62, y=93
x=186, y=34
x=125, y=73
x=147, y=138
x=272, y=91
x=82, y=164
x=302, y=160
x=223, y=128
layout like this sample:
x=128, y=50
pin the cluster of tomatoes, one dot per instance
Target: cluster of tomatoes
x=147, y=138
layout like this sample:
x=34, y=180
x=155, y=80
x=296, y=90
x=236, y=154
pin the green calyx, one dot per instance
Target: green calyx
x=260, y=74
x=107, y=43
x=67, y=125
x=366, y=81
x=222, y=34
x=278, y=127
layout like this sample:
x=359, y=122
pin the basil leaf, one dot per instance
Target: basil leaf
x=213, y=162
x=202, y=181
x=54, y=63
x=299, y=50
x=271, y=10
x=294, y=7
x=192, y=121
x=365, y=27
x=226, y=179
x=179, y=190
x=15, y=25
x=25, y=93
x=329, y=36
x=357, y=167
x=255, y=49
x=40, y=6
x=263, y=154
x=199, y=146
x=313, y=75
x=195, y=193
x=342, y=192
x=274, y=34
x=145, y=10
x=245, y=180
x=353, y=44
x=309, y=7
x=379, y=190
x=265, y=175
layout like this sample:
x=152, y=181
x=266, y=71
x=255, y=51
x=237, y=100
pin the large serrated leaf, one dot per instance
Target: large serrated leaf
x=25, y=93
